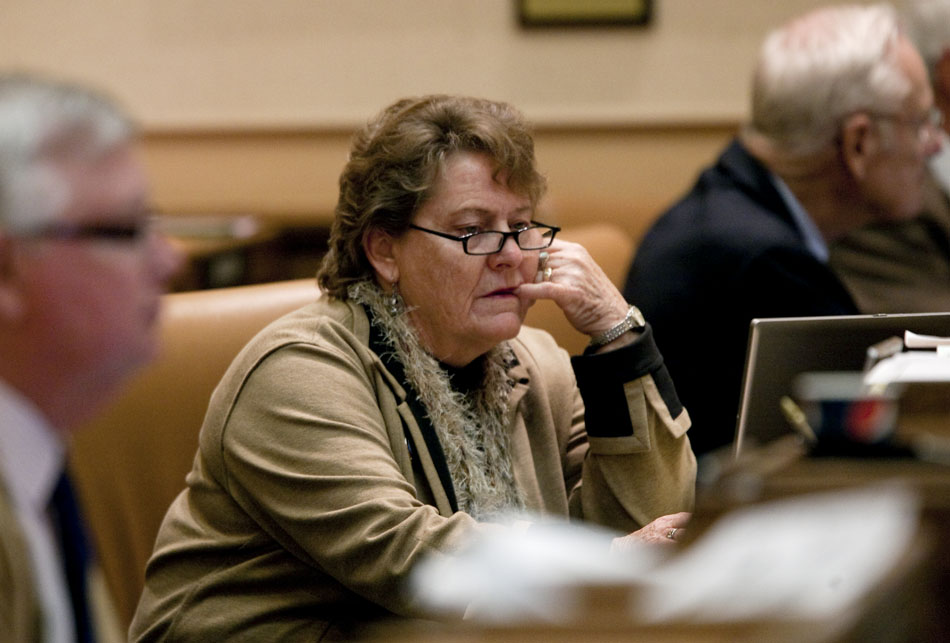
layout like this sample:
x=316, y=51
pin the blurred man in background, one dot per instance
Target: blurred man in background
x=904, y=266
x=842, y=125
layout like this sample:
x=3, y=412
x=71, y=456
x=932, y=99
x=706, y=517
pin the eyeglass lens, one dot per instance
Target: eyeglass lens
x=533, y=238
x=131, y=231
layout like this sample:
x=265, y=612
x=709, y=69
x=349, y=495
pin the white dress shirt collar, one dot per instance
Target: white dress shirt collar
x=32, y=458
x=810, y=232
x=32, y=455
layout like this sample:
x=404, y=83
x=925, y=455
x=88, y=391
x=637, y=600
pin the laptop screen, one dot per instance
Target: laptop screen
x=782, y=347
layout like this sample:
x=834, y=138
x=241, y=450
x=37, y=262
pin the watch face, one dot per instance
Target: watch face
x=637, y=318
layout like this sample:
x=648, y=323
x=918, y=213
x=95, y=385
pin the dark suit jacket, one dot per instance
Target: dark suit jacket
x=728, y=252
x=900, y=266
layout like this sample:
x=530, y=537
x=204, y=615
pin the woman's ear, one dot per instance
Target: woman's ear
x=860, y=143
x=379, y=247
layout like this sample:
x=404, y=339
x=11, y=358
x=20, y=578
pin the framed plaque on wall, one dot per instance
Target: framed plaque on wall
x=584, y=13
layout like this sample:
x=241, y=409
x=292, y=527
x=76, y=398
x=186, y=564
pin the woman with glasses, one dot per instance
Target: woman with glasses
x=408, y=410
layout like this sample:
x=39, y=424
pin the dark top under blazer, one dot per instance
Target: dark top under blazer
x=728, y=252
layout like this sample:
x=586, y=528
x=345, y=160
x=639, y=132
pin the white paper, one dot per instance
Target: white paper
x=912, y=366
x=915, y=340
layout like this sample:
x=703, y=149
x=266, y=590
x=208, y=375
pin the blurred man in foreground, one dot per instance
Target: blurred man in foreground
x=81, y=274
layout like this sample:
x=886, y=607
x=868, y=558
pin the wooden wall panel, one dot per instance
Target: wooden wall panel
x=623, y=174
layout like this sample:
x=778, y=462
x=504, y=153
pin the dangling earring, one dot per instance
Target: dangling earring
x=394, y=301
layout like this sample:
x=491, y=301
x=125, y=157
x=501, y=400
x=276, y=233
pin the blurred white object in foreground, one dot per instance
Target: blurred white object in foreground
x=807, y=558
x=804, y=558
x=529, y=575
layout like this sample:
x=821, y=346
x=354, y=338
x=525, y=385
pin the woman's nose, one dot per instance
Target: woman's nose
x=510, y=254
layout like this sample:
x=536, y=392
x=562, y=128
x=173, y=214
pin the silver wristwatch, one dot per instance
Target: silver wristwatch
x=633, y=321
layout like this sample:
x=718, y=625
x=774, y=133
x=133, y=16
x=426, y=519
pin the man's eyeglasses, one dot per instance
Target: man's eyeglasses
x=131, y=231
x=926, y=126
x=536, y=236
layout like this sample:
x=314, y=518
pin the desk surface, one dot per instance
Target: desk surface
x=916, y=596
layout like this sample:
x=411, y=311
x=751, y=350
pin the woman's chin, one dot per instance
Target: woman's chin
x=507, y=326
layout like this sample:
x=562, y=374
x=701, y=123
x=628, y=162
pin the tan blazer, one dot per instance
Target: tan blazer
x=20, y=615
x=901, y=266
x=305, y=510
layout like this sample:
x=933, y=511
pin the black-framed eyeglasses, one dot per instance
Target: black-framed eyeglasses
x=536, y=236
x=131, y=231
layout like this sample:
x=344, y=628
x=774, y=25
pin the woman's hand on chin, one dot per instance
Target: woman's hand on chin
x=572, y=279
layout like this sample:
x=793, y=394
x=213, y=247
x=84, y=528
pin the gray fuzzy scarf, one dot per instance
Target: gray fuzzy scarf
x=472, y=428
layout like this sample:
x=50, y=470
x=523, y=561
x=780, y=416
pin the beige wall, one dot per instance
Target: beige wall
x=248, y=103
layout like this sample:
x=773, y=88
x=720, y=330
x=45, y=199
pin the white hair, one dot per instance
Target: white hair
x=43, y=121
x=816, y=70
x=928, y=24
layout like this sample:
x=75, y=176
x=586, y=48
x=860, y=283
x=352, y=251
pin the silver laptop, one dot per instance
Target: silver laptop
x=782, y=347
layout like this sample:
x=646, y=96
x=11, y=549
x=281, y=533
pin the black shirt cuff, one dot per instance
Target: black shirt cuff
x=601, y=378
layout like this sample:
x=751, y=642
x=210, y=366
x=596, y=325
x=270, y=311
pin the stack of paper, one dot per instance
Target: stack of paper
x=926, y=360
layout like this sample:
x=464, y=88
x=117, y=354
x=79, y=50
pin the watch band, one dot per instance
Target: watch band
x=633, y=321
